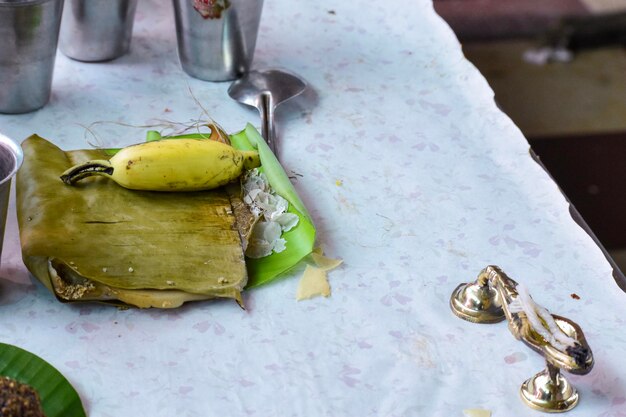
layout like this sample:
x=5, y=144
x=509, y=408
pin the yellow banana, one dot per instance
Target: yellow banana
x=170, y=165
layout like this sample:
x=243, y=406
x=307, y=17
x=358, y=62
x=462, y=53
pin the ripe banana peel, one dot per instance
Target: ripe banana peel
x=170, y=165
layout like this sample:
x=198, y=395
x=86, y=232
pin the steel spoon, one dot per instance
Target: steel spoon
x=266, y=90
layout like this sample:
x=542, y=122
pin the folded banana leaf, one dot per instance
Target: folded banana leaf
x=99, y=241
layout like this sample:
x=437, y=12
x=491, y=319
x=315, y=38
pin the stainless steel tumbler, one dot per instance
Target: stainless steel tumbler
x=11, y=157
x=97, y=30
x=216, y=38
x=29, y=30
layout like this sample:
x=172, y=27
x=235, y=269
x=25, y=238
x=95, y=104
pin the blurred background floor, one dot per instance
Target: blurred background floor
x=558, y=69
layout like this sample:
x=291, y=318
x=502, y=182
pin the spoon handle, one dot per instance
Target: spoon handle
x=267, y=128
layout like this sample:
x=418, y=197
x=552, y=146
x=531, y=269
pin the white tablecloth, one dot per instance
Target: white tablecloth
x=414, y=178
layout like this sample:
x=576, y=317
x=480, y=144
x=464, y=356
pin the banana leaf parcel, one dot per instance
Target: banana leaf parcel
x=98, y=241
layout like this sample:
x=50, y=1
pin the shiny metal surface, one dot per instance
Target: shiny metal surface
x=549, y=391
x=218, y=46
x=488, y=299
x=266, y=90
x=11, y=157
x=29, y=31
x=97, y=30
x=477, y=303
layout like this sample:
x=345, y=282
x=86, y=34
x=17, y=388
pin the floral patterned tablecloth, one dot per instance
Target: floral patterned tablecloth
x=414, y=178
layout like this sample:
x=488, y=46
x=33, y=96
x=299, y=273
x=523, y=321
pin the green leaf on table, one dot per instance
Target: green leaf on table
x=58, y=397
x=301, y=239
x=111, y=151
x=153, y=135
x=274, y=171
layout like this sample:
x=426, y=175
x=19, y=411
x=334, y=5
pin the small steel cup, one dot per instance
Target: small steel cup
x=97, y=30
x=29, y=30
x=11, y=157
x=216, y=38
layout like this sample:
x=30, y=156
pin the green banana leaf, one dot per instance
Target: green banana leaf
x=58, y=397
x=301, y=239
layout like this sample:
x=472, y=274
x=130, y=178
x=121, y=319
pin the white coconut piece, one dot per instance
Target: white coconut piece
x=271, y=209
x=258, y=248
x=287, y=221
x=280, y=245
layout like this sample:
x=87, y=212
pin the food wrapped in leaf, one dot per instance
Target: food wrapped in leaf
x=97, y=241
